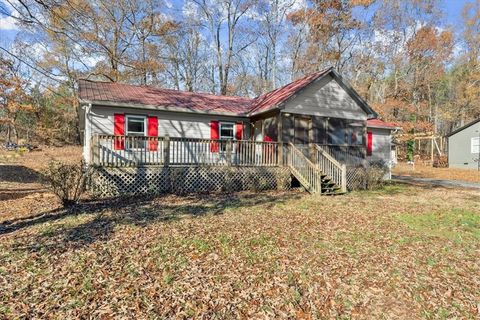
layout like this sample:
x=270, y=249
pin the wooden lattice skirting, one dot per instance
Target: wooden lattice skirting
x=356, y=178
x=107, y=181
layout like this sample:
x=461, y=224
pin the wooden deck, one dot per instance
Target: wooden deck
x=316, y=167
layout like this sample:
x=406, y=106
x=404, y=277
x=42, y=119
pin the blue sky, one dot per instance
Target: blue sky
x=451, y=8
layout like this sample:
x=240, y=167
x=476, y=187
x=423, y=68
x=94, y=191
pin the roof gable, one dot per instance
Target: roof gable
x=274, y=99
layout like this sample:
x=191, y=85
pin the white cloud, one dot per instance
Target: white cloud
x=295, y=5
x=190, y=10
x=8, y=23
x=168, y=4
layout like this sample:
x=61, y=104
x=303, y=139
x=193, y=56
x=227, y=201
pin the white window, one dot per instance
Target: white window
x=135, y=126
x=227, y=130
x=475, y=145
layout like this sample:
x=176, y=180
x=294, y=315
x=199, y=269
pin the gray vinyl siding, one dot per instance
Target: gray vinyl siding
x=176, y=125
x=459, y=148
x=382, y=149
x=325, y=98
x=381, y=145
x=173, y=124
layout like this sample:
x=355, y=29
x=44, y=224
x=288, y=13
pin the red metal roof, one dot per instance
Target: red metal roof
x=97, y=92
x=92, y=91
x=377, y=123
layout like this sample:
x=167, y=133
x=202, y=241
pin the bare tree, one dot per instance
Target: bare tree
x=223, y=21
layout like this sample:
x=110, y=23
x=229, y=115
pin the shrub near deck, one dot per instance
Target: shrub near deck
x=270, y=254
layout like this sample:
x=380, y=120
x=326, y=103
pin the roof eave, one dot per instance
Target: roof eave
x=383, y=127
x=160, y=108
x=463, y=128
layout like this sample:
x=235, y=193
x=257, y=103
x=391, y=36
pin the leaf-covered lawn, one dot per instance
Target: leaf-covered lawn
x=422, y=171
x=402, y=252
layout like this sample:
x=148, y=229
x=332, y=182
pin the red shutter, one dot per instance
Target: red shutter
x=214, y=135
x=119, y=130
x=369, y=143
x=153, y=132
x=239, y=131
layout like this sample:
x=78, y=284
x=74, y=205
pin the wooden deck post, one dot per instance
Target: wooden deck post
x=166, y=151
x=95, y=150
x=344, y=177
x=229, y=152
x=91, y=149
x=280, y=140
x=280, y=154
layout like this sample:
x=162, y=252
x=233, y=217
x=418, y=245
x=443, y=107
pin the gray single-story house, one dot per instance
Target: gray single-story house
x=464, y=146
x=315, y=128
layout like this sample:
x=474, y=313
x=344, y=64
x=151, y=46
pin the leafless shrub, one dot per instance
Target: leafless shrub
x=375, y=175
x=370, y=177
x=440, y=161
x=67, y=181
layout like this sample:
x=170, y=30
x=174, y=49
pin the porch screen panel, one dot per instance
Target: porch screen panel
x=271, y=129
x=336, y=132
x=356, y=133
x=319, y=132
x=302, y=130
x=258, y=130
x=287, y=128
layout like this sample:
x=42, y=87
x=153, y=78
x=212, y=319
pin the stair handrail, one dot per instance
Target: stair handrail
x=309, y=172
x=332, y=167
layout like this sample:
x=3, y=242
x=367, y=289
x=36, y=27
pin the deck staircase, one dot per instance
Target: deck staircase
x=321, y=173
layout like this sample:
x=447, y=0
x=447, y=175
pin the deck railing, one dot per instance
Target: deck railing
x=109, y=150
x=304, y=170
x=331, y=167
x=351, y=156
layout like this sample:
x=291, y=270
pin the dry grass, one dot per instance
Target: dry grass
x=401, y=252
x=19, y=179
x=423, y=171
x=38, y=159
